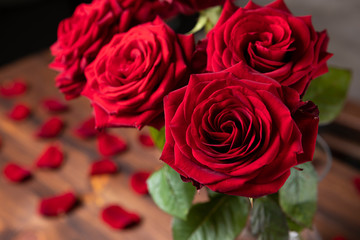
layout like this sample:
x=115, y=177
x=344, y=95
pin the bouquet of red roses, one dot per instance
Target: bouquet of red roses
x=233, y=113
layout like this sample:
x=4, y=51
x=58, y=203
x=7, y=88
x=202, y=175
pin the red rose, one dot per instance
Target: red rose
x=80, y=38
x=131, y=75
x=271, y=41
x=147, y=10
x=193, y=6
x=238, y=136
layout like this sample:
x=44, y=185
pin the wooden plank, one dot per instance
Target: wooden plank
x=18, y=216
x=338, y=203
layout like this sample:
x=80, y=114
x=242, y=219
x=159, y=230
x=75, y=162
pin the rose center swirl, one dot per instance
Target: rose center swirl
x=228, y=130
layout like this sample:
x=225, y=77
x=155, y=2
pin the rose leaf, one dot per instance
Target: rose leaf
x=223, y=217
x=298, y=196
x=329, y=93
x=268, y=221
x=207, y=19
x=170, y=193
x=158, y=137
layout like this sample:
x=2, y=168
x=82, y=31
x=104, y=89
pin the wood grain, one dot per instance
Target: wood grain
x=338, y=212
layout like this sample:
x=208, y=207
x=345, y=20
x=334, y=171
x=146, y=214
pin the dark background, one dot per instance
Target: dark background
x=27, y=26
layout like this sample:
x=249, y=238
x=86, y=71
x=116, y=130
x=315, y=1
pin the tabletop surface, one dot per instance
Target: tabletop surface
x=338, y=200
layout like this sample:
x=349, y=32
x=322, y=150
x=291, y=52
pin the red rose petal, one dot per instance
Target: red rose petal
x=357, y=183
x=146, y=140
x=57, y=205
x=54, y=105
x=52, y=157
x=110, y=145
x=104, y=166
x=138, y=182
x=86, y=129
x=19, y=112
x=13, y=88
x=118, y=218
x=16, y=173
x=51, y=128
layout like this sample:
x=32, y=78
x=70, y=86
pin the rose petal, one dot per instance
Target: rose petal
x=54, y=105
x=52, y=157
x=104, y=166
x=146, y=140
x=51, y=128
x=56, y=205
x=110, y=145
x=118, y=218
x=16, y=173
x=86, y=129
x=138, y=182
x=357, y=183
x=19, y=112
x=13, y=88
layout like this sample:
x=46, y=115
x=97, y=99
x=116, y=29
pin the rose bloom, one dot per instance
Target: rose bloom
x=192, y=6
x=80, y=38
x=237, y=135
x=131, y=75
x=271, y=41
x=147, y=10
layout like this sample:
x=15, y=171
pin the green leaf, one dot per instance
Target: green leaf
x=298, y=196
x=200, y=24
x=293, y=226
x=158, y=137
x=170, y=193
x=213, y=15
x=267, y=220
x=207, y=19
x=329, y=93
x=223, y=217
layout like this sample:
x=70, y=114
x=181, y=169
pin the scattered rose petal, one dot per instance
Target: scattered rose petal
x=118, y=218
x=146, y=140
x=54, y=105
x=104, y=166
x=357, y=183
x=16, y=173
x=51, y=128
x=56, y=205
x=110, y=145
x=52, y=157
x=13, y=88
x=86, y=129
x=138, y=182
x=19, y=112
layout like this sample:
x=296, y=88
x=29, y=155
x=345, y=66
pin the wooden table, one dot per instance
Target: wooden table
x=339, y=201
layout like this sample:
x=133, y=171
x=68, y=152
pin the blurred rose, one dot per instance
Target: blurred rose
x=193, y=6
x=80, y=38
